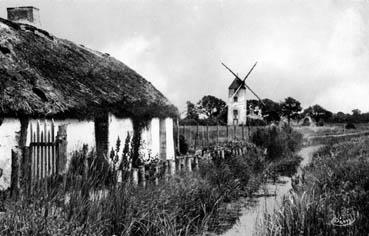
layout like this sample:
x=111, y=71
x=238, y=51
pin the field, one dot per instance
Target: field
x=331, y=129
x=186, y=204
x=331, y=195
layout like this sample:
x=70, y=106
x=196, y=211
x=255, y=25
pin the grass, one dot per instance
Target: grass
x=181, y=206
x=186, y=204
x=334, y=186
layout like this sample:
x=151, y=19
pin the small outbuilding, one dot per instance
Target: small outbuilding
x=96, y=97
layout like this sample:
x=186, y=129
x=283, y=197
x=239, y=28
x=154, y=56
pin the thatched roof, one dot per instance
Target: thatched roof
x=45, y=76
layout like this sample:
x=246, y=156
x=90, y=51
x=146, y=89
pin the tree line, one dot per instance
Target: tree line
x=210, y=110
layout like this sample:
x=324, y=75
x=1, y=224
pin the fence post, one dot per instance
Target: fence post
x=142, y=175
x=53, y=149
x=61, y=139
x=183, y=163
x=189, y=163
x=166, y=170
x=227, y=132
x=172, y=167
x=178, y=146
x=134, y=176
x=189, y=140
x=156, y=175
x=197, y=135
x=217, y=133
x=243, y=131
x=85, y=189
x=26, y=172
x=234, y=131
x=14, y=178
x=202, y=135
x=85, y=163
x=196, y=162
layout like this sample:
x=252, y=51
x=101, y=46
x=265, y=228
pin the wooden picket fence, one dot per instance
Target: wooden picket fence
x=200, y=136
x=43, y=156
x=43, y=159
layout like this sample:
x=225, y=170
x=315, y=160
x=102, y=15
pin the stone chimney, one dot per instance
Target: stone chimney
x=27, y=15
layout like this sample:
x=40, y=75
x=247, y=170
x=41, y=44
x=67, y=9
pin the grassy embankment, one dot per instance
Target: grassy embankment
x=330, y=198
x=186, y=204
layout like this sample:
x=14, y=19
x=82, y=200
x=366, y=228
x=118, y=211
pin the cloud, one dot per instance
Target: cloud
x=345, y=97
x=137, y=52
x=311, y=50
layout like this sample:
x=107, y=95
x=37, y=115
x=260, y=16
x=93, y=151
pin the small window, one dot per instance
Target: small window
x=235, y=99
x=235, y=113
x=40, y=94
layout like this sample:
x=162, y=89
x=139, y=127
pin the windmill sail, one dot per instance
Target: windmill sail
x=243, y=81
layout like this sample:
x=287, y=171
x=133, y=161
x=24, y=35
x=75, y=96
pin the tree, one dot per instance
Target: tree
x=318, y=113
x=252, y=104
x=340, y=117
x=211, y=106
x=356, y=112
x=222, y=117
x=192, y=113
x=271, y=110
x=290, y=108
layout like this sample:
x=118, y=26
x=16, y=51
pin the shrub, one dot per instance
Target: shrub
x=306, y=122
x=350, y=126
x=320, y=123
x=285, y=166
x=236, y=174
x=183, y=145
x=279, y=142
x=99, y=169
x=255, y=122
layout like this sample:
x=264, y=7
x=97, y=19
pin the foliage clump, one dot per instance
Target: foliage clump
x=350, y=126
x=333, y=189
x=278, y=142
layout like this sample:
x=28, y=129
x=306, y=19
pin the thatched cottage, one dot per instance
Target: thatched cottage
x=98, y=97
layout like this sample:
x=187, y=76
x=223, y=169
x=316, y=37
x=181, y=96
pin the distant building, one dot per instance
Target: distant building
x=238, y=108
x=237, y=103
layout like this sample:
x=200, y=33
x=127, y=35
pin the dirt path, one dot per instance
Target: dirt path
x=307, y=153
x=251, y=215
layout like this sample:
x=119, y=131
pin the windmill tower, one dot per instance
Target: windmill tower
x=237, y=100
x=237, y=103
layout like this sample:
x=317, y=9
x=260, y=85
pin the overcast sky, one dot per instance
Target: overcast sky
x=314, y=51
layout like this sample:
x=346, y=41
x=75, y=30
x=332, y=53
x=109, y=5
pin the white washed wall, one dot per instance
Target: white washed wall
x=240, y=105
x=170, y=138
x=9, y=130
x=155, y=136
x=81, y=132
x=119, y=128
x=150, y=138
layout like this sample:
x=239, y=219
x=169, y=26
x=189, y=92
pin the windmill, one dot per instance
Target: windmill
x=238, y=105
